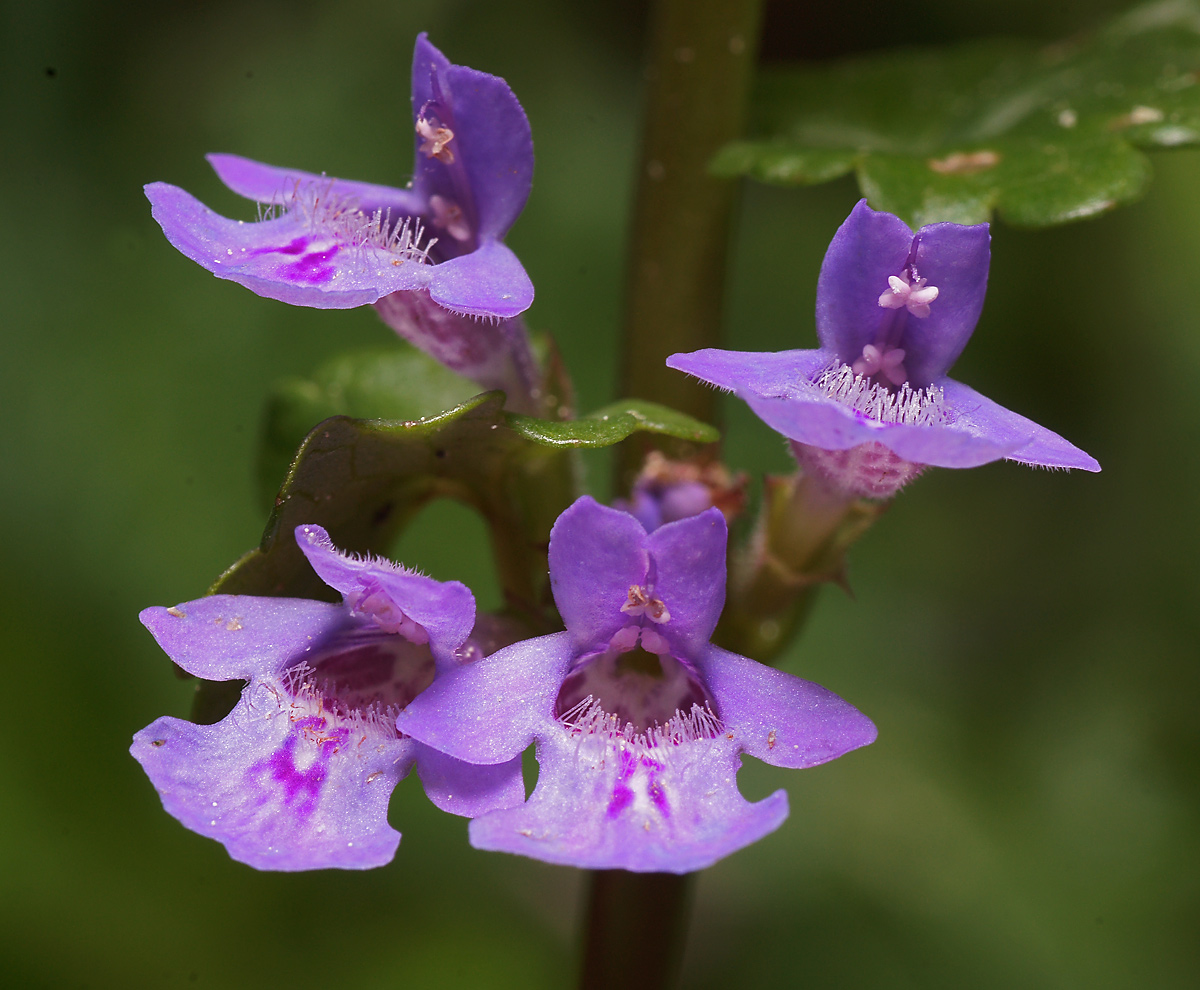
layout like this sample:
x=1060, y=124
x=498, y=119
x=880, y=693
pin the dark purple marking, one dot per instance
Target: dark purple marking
x=623, y=794
x=622, y=798
x=313, y=267
x=296, y=246
x=658, y=794
x=302, y=787
x=628, y=765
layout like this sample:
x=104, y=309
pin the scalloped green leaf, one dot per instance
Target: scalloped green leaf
x=1038, y=136
x=612, y=424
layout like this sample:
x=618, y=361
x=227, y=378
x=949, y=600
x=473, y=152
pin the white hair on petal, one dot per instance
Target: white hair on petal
x=588, y=718
x=326, y=212
x=298, y=694
x=906, y=405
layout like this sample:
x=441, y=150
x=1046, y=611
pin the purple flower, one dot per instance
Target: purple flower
x=429, y=256
x=666, y=490
x=299, y=774
x=639, y=720
x=872, y=406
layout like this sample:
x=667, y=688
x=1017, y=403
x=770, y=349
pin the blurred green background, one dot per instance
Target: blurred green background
x=1026, y=641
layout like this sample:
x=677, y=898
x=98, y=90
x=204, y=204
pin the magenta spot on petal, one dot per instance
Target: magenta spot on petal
x=296, y=246
x=622, y=798
x=658, y=794
x=628, y=765
x=312, y=268
x=301, y=788
x=623, y=794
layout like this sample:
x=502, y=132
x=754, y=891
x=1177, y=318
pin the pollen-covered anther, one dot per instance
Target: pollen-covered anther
x=435, y=140
x=448, y=216
x=914, y=295
x=887, y=362
x=639, y=602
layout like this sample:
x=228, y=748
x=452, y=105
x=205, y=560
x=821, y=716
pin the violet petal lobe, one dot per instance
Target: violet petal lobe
x=745, y=373
x=596, y=555
x=689, y=569
x=226, y=637
x=489, y=281
x=268, y=785
x=306, y=261
x=867, y=248
x=272, y=185
x=955, y=258
x=778, y=717
x=825, y=424
x=444, y=609
x=817, y=420
x=1037, y=446
x=490, y=710
x=469, y=789
x=605, y=805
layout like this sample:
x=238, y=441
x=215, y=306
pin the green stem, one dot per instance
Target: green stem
x=700, y=62
x=636, y=928
x=803, y=532
x=699, y=71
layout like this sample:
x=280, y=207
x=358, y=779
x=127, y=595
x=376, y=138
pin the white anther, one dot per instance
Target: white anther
x=916, y=296
x=886, y=362
x=448, y=216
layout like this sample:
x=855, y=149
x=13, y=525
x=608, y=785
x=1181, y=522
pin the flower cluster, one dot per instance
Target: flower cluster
x=640, y=722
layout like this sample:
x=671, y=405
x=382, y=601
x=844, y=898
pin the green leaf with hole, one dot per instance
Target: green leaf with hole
x=612, y=424
x=1039, y=136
